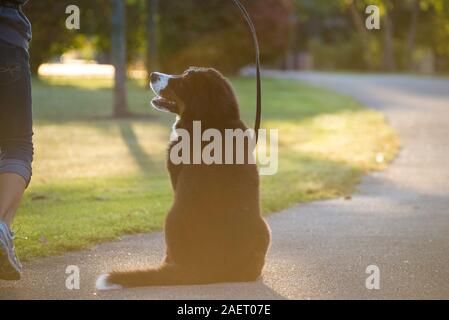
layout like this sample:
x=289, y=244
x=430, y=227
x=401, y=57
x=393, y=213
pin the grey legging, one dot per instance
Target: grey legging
x=16, y=144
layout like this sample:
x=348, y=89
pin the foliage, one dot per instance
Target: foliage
x=51, y=38
x=214, y=34
x=192, y=32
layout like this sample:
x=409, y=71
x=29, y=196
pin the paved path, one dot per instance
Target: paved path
x=398, y=220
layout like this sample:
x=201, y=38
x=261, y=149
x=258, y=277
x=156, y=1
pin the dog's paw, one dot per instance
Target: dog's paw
x=103, y=284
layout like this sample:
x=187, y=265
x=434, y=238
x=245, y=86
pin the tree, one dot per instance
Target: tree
x=152, y=39
x=389, y=63
x=118, y=41
x=414, y=8
x=433, y=30
x=362, y=32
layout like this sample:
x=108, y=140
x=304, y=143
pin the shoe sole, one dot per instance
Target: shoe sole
x=7, y=271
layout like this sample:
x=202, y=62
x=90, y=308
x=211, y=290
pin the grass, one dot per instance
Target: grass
x=97, y=178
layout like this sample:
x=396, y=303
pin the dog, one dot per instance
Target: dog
x=214, y=231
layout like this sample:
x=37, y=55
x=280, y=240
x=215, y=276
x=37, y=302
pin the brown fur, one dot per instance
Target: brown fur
x=214, y=231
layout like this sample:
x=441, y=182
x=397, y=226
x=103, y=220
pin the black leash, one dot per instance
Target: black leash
x=259, y=82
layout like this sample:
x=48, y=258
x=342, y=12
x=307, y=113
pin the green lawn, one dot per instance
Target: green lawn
x=96, y=178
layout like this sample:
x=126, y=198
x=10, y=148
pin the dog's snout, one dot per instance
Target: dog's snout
x=154, y=77
x=159, y=81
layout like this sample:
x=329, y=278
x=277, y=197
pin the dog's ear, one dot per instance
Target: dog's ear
x=212, y=98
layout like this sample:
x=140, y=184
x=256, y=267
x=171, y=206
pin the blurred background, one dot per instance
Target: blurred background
x=294, y=34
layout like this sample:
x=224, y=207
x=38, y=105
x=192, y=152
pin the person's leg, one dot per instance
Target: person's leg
x=15, y=174
x=16, y=148
x=12, y=187
x=16, y=145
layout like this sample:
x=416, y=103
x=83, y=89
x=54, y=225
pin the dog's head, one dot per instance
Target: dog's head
x=201, y=94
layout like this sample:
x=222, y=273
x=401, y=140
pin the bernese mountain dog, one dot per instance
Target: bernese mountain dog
x=214, y=231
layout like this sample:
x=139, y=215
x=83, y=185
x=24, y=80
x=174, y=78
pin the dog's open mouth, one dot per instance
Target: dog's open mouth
x=164, y=104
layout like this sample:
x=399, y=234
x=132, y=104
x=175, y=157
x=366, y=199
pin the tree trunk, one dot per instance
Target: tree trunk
x=363, y=34
x=291, y=59
x=412, y=34
x=152, y=40
x=389, y=61
x=118, y=43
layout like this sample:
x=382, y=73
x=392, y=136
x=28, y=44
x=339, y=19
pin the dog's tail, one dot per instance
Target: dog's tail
x=165, y=275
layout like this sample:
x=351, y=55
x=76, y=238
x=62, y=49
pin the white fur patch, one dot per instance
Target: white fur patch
x=103, y=284
x=161, y=83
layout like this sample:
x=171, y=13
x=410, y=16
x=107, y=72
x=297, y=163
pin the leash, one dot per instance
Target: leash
x=259, y=82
